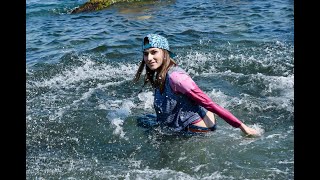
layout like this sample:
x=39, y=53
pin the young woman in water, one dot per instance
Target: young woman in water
x=179, y=103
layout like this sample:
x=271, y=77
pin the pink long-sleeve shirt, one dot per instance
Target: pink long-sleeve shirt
x=182, y=83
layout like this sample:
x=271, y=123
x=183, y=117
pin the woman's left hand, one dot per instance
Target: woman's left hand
x=249, y=131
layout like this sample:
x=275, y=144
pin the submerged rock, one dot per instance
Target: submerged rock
x=94, y=5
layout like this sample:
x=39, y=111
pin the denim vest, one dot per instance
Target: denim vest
x=175, y=110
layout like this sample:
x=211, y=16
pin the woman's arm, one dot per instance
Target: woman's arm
x=182, y=83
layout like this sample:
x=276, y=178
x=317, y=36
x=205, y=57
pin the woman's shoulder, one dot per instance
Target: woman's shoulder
x=176, y=74
x=180, y=81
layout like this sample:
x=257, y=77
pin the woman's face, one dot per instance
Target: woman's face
x=153, y=57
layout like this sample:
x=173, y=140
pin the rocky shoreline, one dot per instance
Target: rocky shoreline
x=95, y=5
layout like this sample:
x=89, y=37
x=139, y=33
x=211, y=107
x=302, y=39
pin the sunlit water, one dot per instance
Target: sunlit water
x=82, y=105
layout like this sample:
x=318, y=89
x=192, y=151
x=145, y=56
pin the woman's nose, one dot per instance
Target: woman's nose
x=150, y=57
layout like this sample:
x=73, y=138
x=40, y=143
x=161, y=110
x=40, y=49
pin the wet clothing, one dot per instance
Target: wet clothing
x=182, y=83
x=182, y=102
x=197, y=129
x=175, y=110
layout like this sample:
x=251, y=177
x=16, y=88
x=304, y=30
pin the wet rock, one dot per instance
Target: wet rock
x=95, y=5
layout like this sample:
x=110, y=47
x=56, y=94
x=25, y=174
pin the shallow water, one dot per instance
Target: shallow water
x=82, y=105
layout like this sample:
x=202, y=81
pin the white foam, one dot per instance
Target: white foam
x=147, y=99
x=194, y=62
x=69, y=78
x=68, y=82
x=123, y=111
x=118, y=115
x=117, y=124
x=219, y=97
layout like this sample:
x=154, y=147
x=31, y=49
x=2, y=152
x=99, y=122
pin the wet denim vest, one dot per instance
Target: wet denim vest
x=175, y=110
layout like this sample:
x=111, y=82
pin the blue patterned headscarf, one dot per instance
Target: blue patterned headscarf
x=157, y=41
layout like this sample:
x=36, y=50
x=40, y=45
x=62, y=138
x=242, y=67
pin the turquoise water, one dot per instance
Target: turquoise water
x=82, y=105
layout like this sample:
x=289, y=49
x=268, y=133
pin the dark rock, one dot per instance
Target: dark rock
x=95, y=5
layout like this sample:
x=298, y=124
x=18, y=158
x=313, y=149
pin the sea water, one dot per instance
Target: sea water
x=82, y=107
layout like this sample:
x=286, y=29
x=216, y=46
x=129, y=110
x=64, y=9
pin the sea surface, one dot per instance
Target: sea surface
x=82, y=107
